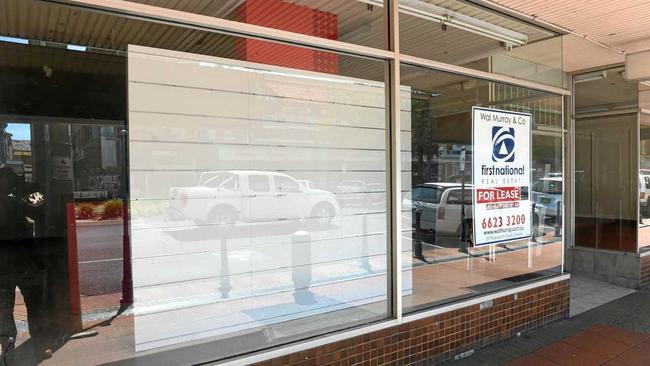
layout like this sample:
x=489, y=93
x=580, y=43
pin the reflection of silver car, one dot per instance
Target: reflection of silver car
x=547, y=195
x=439, y=206
x=230, y=196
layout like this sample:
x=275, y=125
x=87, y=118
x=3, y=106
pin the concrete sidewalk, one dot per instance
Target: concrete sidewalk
x=617, y=333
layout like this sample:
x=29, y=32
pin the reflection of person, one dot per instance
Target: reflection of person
x=21, y=266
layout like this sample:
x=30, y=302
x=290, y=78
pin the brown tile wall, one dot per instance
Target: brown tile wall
x=645, y=271
x=438, y=338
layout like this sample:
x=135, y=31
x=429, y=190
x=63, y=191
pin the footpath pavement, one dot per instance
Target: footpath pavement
x=615, y=334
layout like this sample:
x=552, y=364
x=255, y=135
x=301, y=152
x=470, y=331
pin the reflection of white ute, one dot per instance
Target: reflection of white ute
x=230, y=196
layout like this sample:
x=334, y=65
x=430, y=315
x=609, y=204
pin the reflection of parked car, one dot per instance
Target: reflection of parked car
x=644, y=193
x=439, y=205
x=546, y=196
x=230, y=196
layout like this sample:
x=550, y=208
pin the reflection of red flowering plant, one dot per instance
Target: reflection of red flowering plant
x=85, y=211
x=111, y=210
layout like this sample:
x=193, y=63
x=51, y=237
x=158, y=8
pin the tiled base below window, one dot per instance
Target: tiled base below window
x=444, y=336
x=645, y=271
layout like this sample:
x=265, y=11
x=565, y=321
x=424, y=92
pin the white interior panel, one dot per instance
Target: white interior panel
x=256, y=180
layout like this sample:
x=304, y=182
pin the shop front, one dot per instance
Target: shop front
x=283, y=181
x=610, y=178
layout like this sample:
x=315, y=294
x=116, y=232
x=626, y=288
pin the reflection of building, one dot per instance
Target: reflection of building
x=5, y=144
x=22, y=151
x=16, y=154
x=96, y=160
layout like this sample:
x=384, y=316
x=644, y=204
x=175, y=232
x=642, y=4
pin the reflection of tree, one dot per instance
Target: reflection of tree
x=422, y=141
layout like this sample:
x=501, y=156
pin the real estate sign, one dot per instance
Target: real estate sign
x=501, y=175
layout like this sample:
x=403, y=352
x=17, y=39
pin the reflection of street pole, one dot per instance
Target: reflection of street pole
x=417, y=237
x=127, y=274
x=73, y=266
x=224, y=273
x=558, y=219
x=463, y=229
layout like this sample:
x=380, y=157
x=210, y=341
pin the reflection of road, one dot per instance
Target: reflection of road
x=100, y=246
x=265, y=248
x=100, y=249
x=100, y=258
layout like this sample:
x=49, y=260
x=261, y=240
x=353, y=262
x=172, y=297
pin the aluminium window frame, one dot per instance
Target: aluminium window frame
x=575, y=78
x=223, y=26
x=391, y=54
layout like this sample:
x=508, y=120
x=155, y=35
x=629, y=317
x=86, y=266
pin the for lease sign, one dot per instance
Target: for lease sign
x=501, y=175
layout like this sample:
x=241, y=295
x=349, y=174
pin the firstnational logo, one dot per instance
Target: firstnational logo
x=503, y=144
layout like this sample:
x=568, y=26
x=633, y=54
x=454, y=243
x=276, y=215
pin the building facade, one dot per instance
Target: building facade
x=291, y=182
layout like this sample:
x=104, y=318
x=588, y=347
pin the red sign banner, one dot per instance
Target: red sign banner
x=498, y=194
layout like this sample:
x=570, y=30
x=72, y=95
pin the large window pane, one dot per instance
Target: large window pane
x=606, y=164
x=439, y=266
x=606, y=161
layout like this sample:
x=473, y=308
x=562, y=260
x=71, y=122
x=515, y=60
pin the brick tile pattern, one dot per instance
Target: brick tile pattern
x=442, y=337
x=645, y=271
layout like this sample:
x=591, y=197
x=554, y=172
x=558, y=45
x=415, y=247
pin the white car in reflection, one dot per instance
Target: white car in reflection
x=439, y=206
x=547, y=196
x=231, y=196
x=644, y=193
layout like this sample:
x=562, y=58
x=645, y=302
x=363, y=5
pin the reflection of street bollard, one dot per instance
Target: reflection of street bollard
x=73, y=269
x=365, y=261
x=224, y=273
x=558, y=220
x=463, y=237
x=466, y=236
x=301, y=267
x=417, y=236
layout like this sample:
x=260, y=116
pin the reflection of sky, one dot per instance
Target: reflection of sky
x=19, y=131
